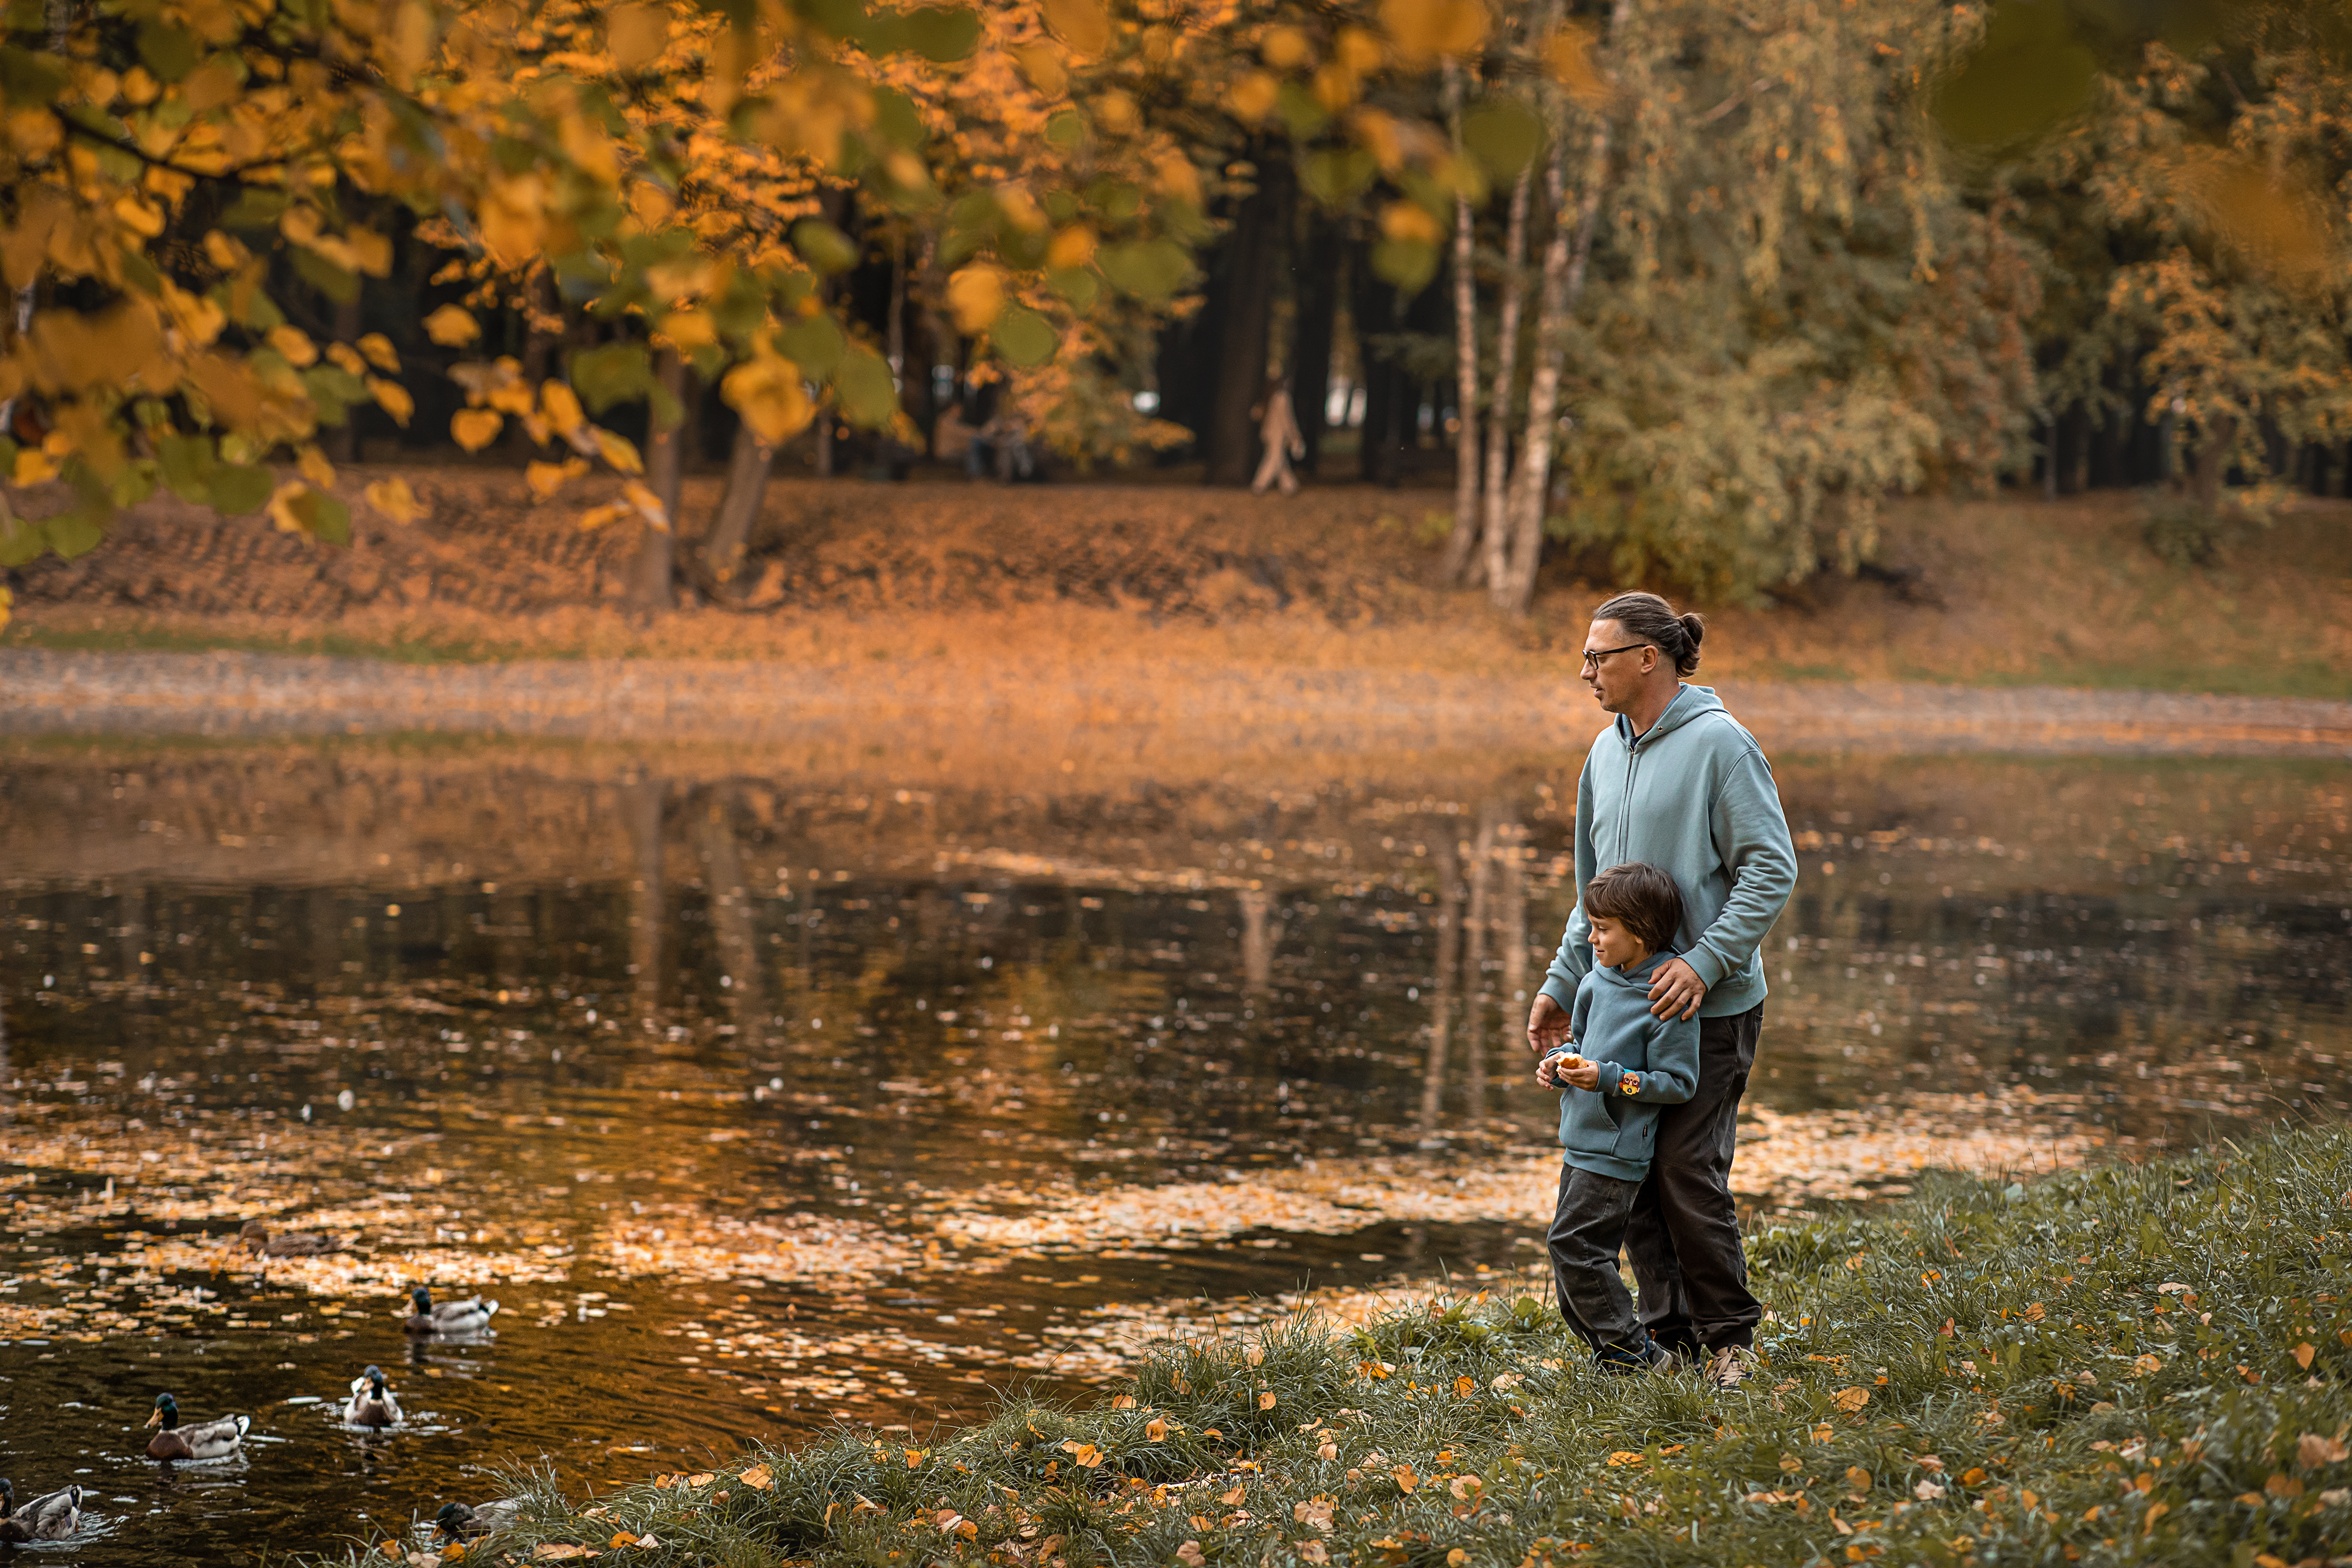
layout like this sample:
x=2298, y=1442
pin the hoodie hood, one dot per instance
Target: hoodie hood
x=1639, y=976
x=1689, y=703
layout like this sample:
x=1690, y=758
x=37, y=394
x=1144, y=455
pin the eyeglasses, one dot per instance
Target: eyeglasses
x=1594, y=656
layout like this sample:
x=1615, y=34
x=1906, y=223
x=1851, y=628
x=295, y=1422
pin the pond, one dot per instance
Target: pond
x=763, y=1100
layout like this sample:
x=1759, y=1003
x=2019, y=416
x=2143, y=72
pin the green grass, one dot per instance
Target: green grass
x=166, y=640
x=2120, y=1365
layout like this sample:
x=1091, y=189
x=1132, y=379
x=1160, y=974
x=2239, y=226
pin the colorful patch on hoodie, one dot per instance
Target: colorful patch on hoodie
x=1629, y=1084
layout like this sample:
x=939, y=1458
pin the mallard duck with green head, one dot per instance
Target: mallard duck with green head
x=469, y=1316
x=214, y=1440
x=50, y=1518
x=372, y=1403
x=460, y=1522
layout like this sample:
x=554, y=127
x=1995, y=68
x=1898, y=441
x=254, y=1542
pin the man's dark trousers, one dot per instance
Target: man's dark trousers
x=1683, y=1236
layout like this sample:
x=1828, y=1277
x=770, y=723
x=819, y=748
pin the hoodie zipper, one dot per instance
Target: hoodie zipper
x=1626, y=806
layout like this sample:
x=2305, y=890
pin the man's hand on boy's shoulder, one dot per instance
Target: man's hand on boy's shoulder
x=1675, y=990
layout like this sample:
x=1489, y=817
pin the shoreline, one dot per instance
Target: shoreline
x=1081, y=708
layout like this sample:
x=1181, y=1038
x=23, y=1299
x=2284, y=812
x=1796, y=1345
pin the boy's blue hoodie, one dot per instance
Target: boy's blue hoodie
x=1695, y=798
x=1645, y=1062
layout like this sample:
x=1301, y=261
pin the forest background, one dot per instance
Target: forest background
x=1658, y=292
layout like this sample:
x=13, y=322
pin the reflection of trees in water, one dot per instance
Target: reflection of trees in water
x=641, y=808
x=1443, y=983
x=734, y=930
x=2142, y=1019
x=1490, y=934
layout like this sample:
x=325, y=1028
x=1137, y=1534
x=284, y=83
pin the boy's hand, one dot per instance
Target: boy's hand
x=1578, y=1073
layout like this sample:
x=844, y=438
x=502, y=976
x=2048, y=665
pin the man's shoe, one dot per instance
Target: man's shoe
x=1729, y=1366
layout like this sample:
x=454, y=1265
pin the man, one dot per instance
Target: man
x=1678, y=783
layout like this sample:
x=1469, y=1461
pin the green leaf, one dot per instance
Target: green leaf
x=240, y=487
x=1300, y=112
x=1504, y=134
x=1149, y=269
x=2031, y=72
x=941, y=33
x=1067, y=130
x=188, y=463
x=21, y=539
x=617, y=372
x=824, y=247
x=1023, y=337
x=74, y=533
x=895, y=117
x=1336, y=175
x=324, y=518
x=1079, y=285
x=255, y=209
x=1409, y=264
x=815, y=343
x=170, y=52
x=868, y=396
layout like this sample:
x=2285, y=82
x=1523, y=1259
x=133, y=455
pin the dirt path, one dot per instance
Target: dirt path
x=1127, y=706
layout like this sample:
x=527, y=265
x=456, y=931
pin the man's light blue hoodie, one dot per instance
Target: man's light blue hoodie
x=1695, y=798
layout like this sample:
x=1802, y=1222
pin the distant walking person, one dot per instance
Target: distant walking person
x=1678, y=783
x=1277, y=428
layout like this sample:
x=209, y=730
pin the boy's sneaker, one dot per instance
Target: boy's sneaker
x=1729, y=1366
x=1624, y=1361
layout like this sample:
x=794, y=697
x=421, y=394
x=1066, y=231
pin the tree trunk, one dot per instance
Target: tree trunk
x=2214, y=450
x=1316, y=289
x=1254, y=256
x=1376, y=316
x=738, y=507
x=665, y=462
x=342, y=444
x=1506, y=374
x=1565, y=261
x=539, y=345
x=1464, y=537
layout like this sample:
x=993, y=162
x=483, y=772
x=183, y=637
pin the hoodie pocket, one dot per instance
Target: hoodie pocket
x=1637, y=1135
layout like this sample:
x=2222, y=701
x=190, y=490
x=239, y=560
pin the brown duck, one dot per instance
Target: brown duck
x=298, y=1244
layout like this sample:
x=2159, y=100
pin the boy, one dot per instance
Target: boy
x=1623, y=1063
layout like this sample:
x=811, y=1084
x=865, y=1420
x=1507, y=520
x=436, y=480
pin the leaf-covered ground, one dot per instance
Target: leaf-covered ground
x=1060, y=579
x=2117, y=1364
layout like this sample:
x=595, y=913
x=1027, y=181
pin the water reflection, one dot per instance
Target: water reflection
x=763, y=1105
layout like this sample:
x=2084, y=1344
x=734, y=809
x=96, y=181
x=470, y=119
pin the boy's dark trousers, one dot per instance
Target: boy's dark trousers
x=1683, y=1234
x=1587, y=1228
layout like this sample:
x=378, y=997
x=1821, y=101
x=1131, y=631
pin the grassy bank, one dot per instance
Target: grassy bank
x=2120, y=1365
x=1065, y=578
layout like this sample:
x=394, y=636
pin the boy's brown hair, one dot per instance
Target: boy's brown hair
x=1642, y=898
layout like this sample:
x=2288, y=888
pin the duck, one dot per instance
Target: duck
x=50, y=1518
x=298, y=1244
x=449, y=1317
x=372, y=1403
x=460, y=1522
x=214, y=1440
